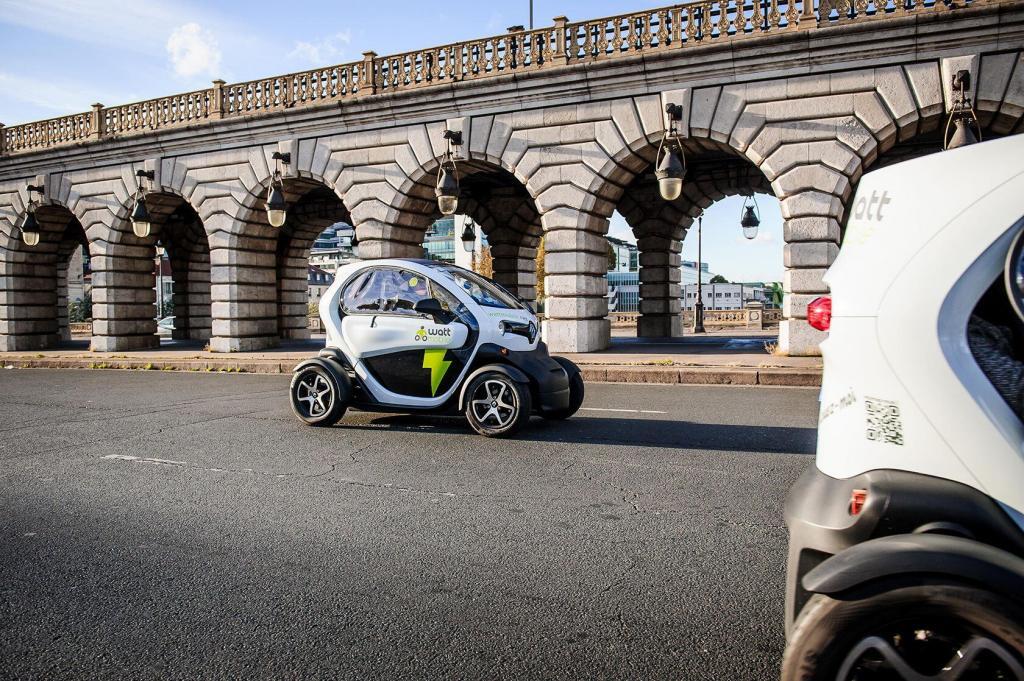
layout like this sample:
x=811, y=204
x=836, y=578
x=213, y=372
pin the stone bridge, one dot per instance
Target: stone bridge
x=560, y=128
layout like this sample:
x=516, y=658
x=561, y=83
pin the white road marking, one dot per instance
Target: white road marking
x=125, y=457
x=624, y=411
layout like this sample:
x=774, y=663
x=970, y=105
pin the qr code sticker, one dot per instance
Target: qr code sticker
x=884, y=422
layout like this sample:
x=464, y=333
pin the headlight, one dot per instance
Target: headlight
x=527, y=331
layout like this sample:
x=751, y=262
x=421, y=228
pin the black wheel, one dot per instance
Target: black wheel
x=576, y=391
x=319, y=396
x=938, y=631
x=496, y=404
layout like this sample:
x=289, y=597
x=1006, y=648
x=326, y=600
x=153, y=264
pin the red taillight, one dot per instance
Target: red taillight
x=819, y=313
x=858, y=498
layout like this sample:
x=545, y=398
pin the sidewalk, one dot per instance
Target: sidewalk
x=694, y=361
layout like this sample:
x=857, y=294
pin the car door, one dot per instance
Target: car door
x=405, y=353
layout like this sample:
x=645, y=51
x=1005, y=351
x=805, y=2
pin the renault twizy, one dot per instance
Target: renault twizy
x=428, y=337
x=906, y=555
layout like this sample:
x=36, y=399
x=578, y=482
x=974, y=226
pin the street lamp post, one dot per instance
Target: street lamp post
x=698, y=307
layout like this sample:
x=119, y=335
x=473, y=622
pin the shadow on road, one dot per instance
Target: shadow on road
x=629, y=432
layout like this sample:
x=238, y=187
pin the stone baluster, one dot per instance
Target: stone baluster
x=3, y=140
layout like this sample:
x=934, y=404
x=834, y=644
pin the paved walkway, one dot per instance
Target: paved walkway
x=714, y=359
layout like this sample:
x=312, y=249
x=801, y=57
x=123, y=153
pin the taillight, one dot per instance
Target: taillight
x=819, y=313
x=858, y=498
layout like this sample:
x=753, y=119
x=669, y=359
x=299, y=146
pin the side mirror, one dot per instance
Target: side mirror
x=432, y=308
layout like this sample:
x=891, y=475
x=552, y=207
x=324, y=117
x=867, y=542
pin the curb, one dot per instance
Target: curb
x=666, y=375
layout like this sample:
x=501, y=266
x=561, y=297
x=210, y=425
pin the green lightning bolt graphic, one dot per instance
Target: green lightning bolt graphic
x=434, y=360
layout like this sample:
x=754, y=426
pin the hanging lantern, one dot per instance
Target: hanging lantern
x=670, y=172
x=277, y=207
x=469, y=238
x=142, y=226
x=962, y=134
x=671, y=167
x=447, y=191
x=750, y=218
x=30, y=228
x=447, y=188
x=962, y=117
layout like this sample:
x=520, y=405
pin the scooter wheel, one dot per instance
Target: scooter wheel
x=497, y=405
x=318, y=396
x=908, y=632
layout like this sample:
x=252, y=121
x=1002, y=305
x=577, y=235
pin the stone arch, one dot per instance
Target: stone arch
x=496, y=200
x=33, y=296
x=660, y=227
x=179, y=229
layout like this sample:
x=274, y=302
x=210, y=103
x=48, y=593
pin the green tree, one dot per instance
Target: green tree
x=775, y=293
x=719, y=279
x=80, y=310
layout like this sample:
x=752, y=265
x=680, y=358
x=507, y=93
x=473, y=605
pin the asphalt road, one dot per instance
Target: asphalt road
x=182, y=525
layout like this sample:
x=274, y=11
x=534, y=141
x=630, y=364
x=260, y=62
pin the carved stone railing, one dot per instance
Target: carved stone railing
x=692, y=23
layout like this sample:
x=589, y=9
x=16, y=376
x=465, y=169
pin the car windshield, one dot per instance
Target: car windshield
x=483, y=291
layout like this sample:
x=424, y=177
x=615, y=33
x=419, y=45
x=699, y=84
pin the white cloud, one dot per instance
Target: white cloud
x=323, y=52
x=193, y=51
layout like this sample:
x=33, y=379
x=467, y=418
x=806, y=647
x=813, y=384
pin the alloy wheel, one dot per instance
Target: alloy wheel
x=495, y=403
x=943, y=652
x=314, y=393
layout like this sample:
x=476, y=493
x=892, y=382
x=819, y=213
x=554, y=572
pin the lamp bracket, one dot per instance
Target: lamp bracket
x=962, y=80
x=284, y=157
x=453, y=137
x=674, y=111
x=148, y=174
x=37, y=188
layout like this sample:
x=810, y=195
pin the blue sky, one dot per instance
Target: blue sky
x=60, y=56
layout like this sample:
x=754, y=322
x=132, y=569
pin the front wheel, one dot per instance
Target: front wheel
x=497, y=405
x=319, y=396
x=937, y=631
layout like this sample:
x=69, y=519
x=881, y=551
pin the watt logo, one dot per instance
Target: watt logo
x=424, y=334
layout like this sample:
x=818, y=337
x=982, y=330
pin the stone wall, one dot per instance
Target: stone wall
x=565, y=150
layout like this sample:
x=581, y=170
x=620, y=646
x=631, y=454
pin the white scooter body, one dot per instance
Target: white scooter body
x=901, y=390
x=362, y=337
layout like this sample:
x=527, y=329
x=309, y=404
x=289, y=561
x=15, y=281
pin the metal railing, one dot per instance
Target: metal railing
x=697, y=22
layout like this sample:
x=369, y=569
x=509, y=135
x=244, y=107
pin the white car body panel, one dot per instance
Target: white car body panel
x=924, y=240
x=355, y=337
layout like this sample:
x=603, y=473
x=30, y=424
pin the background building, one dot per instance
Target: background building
x=318, y=280
x=723, y=296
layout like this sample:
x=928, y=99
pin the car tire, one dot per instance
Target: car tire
x=576, y=391
x=497, y=404
x=319, y=396
x=927, y=627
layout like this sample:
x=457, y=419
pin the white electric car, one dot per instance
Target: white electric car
x=424, y=336
x=906, y=555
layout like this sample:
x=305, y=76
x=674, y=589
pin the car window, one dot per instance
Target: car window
x=481, y=290
x=364, y=293
x=403, y=289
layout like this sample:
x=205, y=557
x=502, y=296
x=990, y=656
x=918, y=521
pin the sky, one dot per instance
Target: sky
x=61, y=56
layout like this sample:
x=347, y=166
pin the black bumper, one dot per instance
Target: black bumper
x=549, y=383
x=898, y=502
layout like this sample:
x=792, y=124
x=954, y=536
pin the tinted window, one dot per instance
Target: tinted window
x=483, y=291
x=364, y=293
